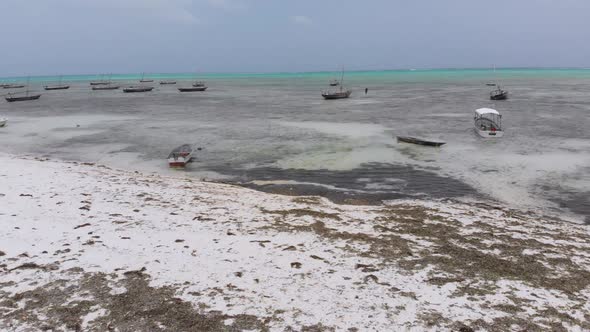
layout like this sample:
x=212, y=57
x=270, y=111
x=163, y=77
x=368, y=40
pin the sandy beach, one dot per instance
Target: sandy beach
x=88, y=247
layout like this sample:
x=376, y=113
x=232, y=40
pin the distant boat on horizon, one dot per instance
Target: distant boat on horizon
x=167, y=82
x=498, y=93
x=59, y=86
x=143, y=80
x=102, y=81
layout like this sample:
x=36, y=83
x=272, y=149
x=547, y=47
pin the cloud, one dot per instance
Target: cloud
x=301, y=20
x=227, y=4
x=170, y=10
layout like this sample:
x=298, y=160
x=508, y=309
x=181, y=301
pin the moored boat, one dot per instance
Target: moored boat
x=488, y=123
x=192, y=89
x=105, y=87
x=167, y=82
x=334, y=83
x=100, y=83
x=11, y=98
x=498, y=94
x=56, y=87
x=420, y=141
x=13, y=86
x=336, y=94
x=180, y=156
x=131, y=89
x=3, y=122
x=198, y=84
x=341, y=94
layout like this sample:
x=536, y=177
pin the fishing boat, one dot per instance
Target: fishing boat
x=12, y=98
x=334, y=83
x=498, y=94
x=193, y=89
x=419, y=141
x=180, y=156
x=3, y=122
x=488, y=123
x=167, y=82
x=199, y=84
x=144, y=80
x=58, y=86
x=13, y=86
x=101, y=81
x=138, y=89
x=105, y=87
x=341, y=94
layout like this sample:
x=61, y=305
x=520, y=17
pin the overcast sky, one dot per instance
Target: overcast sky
x=127, y=36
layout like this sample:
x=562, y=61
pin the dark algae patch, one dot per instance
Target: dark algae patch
x=63, y=304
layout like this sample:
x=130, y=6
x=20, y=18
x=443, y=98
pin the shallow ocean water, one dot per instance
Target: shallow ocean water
x=276, y=133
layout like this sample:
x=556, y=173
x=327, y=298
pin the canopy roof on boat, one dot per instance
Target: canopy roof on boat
x=482, y=111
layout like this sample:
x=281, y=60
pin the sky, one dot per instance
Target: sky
x=50, y=37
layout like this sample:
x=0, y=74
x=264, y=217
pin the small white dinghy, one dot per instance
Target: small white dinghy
x=488, y=123
x=3, y=122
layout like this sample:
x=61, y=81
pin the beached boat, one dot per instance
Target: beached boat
x=105, y=87
x=199, y=84
x=419, y=141
x=334, y=83
x=498, y=94
x=11, y=97
x=167, y=82
x=193, y=89
x=138, y=89
x=3, y=122
x=144, y=80
x=102, y=81
x=180, y=156
x=13, y=86
x=58, y=86
x=341, y=94
x=488, y=122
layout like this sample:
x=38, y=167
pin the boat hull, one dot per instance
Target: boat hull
x=419, y=141
x=100, y=83
x=489, y=133
x=25, y=98
x=100, y=88
x=136, y=90
x=336, y=95
x=193, y=89
x=63, y=87
x=499, y=96
x=13, y=86
x=167, y=83
x=2, y=122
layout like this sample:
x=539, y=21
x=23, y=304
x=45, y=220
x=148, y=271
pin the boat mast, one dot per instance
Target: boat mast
x=342, y=78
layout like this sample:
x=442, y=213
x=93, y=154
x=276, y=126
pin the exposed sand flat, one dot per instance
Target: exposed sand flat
x=87, y=247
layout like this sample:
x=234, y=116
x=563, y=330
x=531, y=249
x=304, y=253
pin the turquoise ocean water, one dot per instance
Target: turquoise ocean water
x=411, y=75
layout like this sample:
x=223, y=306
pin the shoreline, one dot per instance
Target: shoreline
x=87, y=247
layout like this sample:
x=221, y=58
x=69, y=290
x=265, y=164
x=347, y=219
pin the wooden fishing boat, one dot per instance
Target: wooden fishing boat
x=193, y=89
x=11, y=98
x=3, y=122
x=167, y=82
x=105, y=87
x=13, y=86
x=99, y=83
x=419, y=141
x=138, y=89
x=144, y=80
x=199, y=84
x=488, y=123
x=180, y=156
x=334, y=83
x=56, y=87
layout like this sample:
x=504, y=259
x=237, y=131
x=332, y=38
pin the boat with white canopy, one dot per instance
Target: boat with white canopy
x=488, y=122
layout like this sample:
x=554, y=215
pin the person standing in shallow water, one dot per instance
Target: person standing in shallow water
x=366, y=90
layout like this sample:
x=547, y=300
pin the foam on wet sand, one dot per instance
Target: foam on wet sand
x=88, y=247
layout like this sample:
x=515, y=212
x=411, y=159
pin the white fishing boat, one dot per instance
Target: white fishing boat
x=3, y=122
x=488, y=122
x=180, y=156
